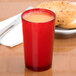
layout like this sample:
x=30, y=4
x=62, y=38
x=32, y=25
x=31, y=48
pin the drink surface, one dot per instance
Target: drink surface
x=38, y=17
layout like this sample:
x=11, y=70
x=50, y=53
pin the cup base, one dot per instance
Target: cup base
x=38, y=68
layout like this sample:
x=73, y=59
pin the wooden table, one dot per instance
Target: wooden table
x=12, y=59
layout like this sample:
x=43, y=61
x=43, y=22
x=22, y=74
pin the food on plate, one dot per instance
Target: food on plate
x=65, y=12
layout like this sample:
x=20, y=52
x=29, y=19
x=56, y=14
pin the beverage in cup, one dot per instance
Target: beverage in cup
x=38, y=36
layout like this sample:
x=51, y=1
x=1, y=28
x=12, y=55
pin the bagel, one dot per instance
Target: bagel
x=65, y=12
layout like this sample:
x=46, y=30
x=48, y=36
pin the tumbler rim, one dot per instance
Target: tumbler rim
x=39, y=9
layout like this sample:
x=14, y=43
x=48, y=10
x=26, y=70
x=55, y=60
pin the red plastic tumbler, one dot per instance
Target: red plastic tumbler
x=38, y=42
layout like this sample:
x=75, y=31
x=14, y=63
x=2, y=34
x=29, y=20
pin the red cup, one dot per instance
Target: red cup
x=38, y=42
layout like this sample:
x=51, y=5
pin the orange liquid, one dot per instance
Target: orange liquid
x=38, y=17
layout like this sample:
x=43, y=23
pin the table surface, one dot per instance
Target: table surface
x=12, y=59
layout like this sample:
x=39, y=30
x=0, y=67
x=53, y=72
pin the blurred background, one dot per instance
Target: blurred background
x=16, y=6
